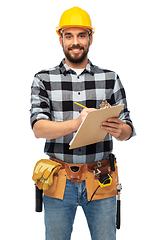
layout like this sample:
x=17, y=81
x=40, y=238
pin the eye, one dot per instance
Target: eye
x=82, y=36
x=68, y=36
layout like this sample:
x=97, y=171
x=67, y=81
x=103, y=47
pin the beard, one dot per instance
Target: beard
x=76, y=57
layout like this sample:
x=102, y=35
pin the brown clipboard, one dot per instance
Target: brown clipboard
x=90, y=130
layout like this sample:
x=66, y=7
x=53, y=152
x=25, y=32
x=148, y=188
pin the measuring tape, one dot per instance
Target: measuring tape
x=105, y=180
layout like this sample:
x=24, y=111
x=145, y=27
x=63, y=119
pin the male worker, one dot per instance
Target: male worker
x=55, y=117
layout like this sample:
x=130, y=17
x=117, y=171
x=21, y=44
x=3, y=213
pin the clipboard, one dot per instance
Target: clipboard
x=90, y=130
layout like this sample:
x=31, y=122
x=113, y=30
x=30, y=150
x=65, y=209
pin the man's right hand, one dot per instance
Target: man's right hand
x=84, y=113
x=51, y=130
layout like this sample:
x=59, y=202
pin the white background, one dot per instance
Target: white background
x=127, y=41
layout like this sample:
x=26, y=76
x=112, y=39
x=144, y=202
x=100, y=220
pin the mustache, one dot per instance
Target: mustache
x=76, y=47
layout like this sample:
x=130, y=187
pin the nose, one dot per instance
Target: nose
x=75, y=40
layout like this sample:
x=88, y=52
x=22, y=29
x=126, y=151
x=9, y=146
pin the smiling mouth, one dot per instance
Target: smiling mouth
x=76, y=50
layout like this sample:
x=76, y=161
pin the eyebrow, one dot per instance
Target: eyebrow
x=84, y=33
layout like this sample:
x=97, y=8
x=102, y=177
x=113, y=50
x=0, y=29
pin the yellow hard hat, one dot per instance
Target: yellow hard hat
x=75, y=17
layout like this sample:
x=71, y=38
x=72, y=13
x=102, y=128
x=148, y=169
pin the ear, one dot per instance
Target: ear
x=61, y=40
x=90, y=40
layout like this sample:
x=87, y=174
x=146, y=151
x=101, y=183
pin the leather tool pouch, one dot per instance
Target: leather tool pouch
x=93, y=182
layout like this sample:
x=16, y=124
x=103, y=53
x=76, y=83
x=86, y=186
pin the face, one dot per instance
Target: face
x=75, y=43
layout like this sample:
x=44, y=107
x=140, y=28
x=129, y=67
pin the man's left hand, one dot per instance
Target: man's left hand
x=114, y=126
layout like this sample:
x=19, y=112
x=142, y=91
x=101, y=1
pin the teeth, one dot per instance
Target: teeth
x=75, y=50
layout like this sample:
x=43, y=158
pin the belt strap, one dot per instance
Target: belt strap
x=97, y=168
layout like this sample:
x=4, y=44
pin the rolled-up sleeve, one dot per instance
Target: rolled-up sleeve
x=40, y=105
x=119, y=97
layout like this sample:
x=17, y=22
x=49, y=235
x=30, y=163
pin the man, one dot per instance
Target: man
x=55, y=117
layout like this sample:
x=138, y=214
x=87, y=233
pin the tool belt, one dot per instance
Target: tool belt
x=75, y=171
x=51, y=176
x=90, y=173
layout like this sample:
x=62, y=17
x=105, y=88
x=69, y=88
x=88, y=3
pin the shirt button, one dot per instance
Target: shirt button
x=79, y=93
x=78, y=77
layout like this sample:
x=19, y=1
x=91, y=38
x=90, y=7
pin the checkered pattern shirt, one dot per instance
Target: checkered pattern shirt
x=53, y=94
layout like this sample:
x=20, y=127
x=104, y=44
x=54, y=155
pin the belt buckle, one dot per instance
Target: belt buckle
x=97, y=172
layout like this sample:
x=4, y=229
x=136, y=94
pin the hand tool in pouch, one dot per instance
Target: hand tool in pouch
x=104, y=181
x=118, y=220
x=39, y=199
x=119, y=188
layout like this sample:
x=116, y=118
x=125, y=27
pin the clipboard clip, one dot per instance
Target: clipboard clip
x=105, y=104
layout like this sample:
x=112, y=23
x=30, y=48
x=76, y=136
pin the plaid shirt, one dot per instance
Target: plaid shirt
x=53, y=94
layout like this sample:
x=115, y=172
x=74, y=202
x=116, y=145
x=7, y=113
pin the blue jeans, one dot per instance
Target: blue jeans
x=60, y=214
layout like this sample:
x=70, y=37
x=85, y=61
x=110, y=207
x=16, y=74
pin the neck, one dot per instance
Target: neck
x=77, y=65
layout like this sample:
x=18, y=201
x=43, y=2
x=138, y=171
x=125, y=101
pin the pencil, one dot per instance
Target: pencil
x=80, y=105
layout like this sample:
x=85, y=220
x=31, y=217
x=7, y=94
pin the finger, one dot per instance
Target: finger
x=86, y=111
x=50, y=179
x=45, y=185
x=116, y=135
x=91, y=109
x=36, y=171
x=41, y=172
x=48, y=171
x=111, y=130
x=110, y=125
x=115, y=120
x=113, y=133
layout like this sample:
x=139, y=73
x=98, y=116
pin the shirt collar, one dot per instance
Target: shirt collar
x=64, y=68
